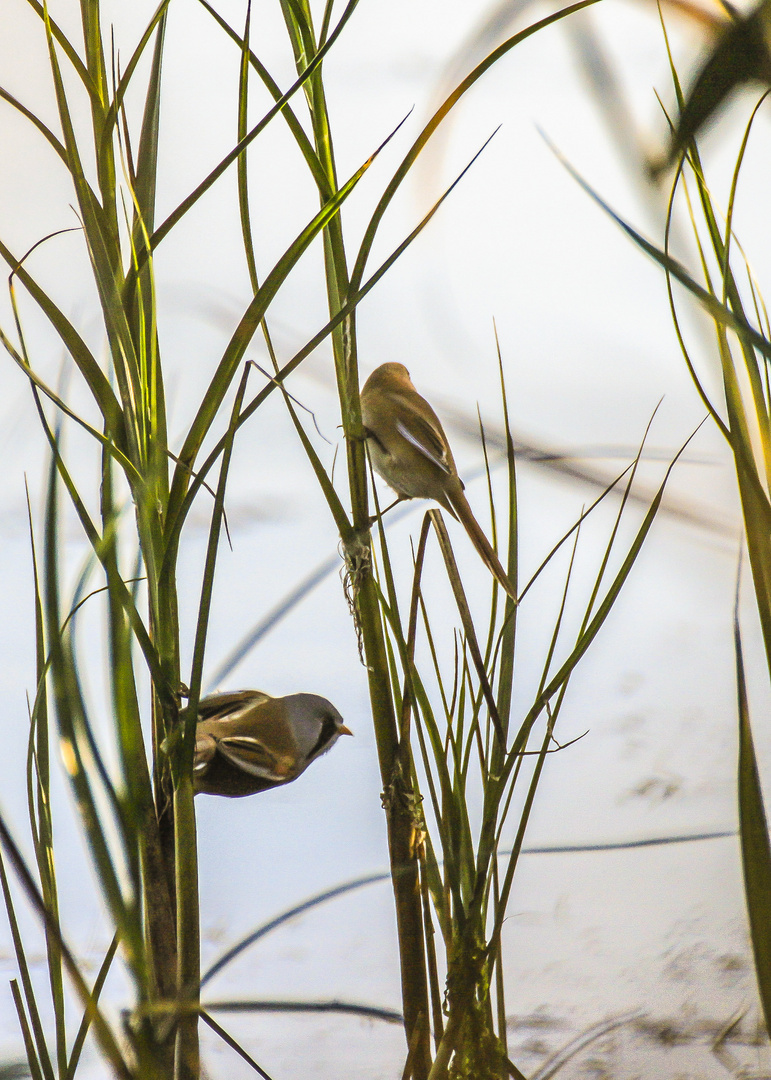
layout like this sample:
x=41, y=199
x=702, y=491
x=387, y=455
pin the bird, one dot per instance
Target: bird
x=409, y=449
x=247, y=741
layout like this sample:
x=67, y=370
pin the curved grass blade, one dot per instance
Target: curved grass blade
x=740, y=55
x=153, y=93
x=176, y=215
x=67, y=48
x=39, y=805
x=137, y=625
x=188, y=918
x=468, y=624
x=345, y=311
x=100, y=228
x=147, y=158
x=239, y=342
x=509, y=634
x=106, y=443
x=204, y=607
x=610, y=597
x=36, y=122
x=302, y=140
x=448, y=104
x=95, y=378
x=336, y=508
x=719, y=312
x=243, y=182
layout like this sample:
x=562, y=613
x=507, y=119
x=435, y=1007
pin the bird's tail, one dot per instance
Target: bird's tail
x=462, y=511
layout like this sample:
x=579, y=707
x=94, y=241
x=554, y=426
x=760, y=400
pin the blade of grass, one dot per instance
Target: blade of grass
x=95, y=378
x=176, y=215
x=610, y=597
x=178, y=514
x=241, y=337
x=35, y=120
x=466, y=620
x=231, y=1042
x=107, y=1040
x=29, y=1046
x=428, y=130
x=719, y=312
x=104, y=440
x=34, y=1039
x=76, y=741
x=67, y=48
x=753, y=835
x=188, y=920
x=509, y=634
x=150, y=121
x=138, y=627
x=85, y=1024
x=296, y=128
x=39, y=804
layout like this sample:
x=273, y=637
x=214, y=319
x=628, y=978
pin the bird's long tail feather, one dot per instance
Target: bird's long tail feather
x=463, y=512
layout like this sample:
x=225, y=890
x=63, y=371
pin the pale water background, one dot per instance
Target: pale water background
x=654, y=937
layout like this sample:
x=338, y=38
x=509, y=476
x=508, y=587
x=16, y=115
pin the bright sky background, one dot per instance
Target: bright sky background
x=589, y=351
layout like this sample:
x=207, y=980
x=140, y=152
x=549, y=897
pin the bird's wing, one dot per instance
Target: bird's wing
x=205, y=749
x=250, y=756
x=221, y=706
x=424, y=437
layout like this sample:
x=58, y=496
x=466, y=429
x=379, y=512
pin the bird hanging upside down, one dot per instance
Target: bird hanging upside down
x=247, y=741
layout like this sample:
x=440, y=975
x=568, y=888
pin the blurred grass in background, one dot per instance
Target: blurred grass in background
x=444, y=724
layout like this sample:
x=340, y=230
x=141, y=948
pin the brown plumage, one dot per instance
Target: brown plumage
x=247, y=741
x=409, y=449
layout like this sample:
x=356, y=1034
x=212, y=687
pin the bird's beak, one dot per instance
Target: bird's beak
x=343, y=730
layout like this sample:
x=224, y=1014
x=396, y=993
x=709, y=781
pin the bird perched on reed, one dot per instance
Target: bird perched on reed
x=409, y=449
x=247, y=741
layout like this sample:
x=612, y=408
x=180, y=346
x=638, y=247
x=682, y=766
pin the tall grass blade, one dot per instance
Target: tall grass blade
x=32, y=1030
x=66, y=46
x=140, y=631
x=467, y=621
x=242, y=336
x=39, y=808
x=107, y=1040
x=33, y=1064
x=283, y=373
x=165, y=228
x=35, y=120
x=148, y=146
x=604, y=608
x=85, y=1024
x=754, y=838
x=282, y=100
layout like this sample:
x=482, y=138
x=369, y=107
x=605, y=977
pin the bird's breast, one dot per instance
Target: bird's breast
x=395, y=469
